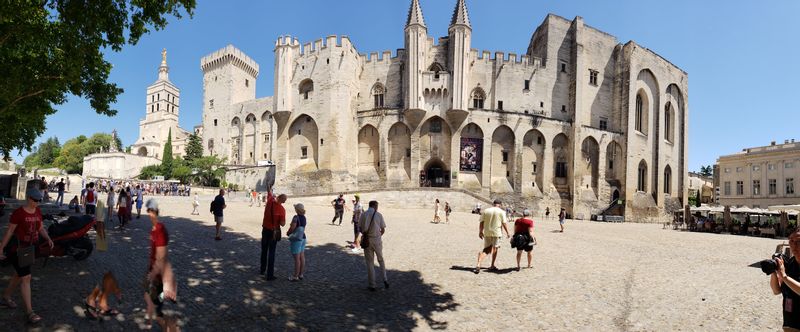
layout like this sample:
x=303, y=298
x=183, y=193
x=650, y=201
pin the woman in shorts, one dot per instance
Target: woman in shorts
x=357, y=210
x=523, y=238
x=297, y=241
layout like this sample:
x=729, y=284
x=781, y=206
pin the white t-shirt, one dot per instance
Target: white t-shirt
x=377, y=223
x=110, y=201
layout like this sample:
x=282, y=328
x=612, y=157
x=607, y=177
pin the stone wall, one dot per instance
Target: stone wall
x=254, y=177
x=116, y=165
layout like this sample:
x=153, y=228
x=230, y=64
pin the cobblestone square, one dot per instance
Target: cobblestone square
x=593, y=277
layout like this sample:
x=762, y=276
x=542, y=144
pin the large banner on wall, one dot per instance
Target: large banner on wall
x=471, y=154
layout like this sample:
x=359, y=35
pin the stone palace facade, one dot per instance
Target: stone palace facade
x=577, y=121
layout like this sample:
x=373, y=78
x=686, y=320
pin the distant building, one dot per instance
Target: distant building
x=702, y=187
x=760, y=176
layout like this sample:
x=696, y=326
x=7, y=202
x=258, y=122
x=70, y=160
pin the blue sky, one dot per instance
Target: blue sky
x=741, y=56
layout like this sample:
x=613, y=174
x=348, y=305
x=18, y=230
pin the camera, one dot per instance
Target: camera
x=768, y=266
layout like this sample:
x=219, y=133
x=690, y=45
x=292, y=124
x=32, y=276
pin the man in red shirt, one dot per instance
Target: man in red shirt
x=160, y=281
x=26, y=224
x=274, y=219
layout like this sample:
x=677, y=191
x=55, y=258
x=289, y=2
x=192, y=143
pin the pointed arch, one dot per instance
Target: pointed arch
x=641, y=176
x=265, y=135
x=590, y=160
x=478, y=97
x=503, y=159
x=615, y=162
x=533, y=146
x=378, y=91
x=561, y=162
x=436, y=68
x=668, y=180
x=303, y=151
x=435, y=139
x=250, y=141
x=399, y=139
x=306, y=88
x=369, y=157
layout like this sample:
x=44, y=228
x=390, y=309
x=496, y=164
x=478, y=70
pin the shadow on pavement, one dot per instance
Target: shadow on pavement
x=219, y=287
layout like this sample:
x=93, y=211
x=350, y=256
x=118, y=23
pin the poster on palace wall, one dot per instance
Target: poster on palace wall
x=471, y=154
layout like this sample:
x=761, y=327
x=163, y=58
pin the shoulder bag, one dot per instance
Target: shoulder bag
x=365, y=235
x=25, y=255
x=299, y=231
x=276, y=233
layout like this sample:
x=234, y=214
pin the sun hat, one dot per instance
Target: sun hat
x=34, y=193
x=151, y=204
x=300, y=208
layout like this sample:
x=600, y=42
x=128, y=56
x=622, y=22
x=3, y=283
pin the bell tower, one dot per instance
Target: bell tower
x=460, y=35
x=416, y=37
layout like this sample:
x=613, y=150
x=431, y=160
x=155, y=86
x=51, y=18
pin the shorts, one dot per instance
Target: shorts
x=218, y=220
x=90, y=208
x=21, y=271
x=139, y=204
x=356, y=229
x=491, y=241
x=561, y=221
x=297, y=246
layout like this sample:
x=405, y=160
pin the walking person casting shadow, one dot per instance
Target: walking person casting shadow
x=372, y=222
x=492, y=220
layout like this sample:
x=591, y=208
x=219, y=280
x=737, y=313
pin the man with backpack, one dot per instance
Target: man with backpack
x=90, y=199
x=217, y=205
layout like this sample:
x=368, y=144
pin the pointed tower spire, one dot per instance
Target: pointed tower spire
x=415, y=15
x=460, y=15
x=163, y=70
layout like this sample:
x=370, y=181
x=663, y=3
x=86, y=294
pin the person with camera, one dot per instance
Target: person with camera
x=785, y=280
x=274, y=219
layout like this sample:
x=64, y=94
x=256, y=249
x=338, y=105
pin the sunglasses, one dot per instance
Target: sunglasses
x=36, y=200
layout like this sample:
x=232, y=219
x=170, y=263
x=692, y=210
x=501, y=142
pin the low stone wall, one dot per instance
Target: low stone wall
x=116, y=165
x=416, y=198
x=253, y=177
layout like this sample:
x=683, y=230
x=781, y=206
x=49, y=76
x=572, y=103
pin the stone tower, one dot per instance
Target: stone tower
x=229, y=77
x=460, y=35
x=416, y=37
x=163, y=101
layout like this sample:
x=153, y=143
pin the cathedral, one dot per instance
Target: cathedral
x=579, y=120
x=161, y=118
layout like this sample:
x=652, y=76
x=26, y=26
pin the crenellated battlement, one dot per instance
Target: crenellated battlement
x=385, y=56
x=485, y=56
x=331, y=41
x=229, y=54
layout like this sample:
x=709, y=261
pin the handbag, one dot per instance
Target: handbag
x=25, y=255
x=365, y=235
x=297, y=234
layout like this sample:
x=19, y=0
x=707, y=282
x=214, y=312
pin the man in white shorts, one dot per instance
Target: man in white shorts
x=493, y=220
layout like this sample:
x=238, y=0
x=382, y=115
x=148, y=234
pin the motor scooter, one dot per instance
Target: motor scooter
x=69, y=239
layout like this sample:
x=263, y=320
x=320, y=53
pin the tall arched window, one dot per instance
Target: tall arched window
x=668, y=180
x=306, y=88
x=669, y=123
x=639, y=116
x=377, y=93
x=641, y=183
x=436, y=68
x=477, y=98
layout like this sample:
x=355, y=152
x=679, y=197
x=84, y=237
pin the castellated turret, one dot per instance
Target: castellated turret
x=229, y=77
x=316, y=85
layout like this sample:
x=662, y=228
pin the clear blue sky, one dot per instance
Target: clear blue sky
x=741, y=56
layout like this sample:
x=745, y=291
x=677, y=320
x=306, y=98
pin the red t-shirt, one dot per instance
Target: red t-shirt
x=522, y=225
x=28, y=225
x=273, y=220
x=158, y=238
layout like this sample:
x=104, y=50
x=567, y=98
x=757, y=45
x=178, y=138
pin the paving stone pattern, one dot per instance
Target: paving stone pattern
x=593, y=277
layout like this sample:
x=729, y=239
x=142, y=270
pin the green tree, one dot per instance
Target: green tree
x=166, y=157
x=194, y=148
x=706, y=171
x=44, y=154
x=208, y=171
x=54, y=48
x=181, y=170
x=74, y=150
x=148, y=172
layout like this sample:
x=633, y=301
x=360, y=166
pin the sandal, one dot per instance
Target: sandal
x=8, y=303
x=33, y=318
x=110, y=312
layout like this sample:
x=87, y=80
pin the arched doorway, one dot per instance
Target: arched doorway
x=399, y=152
x=435, y=174
x=615, y=195
x=369, y=161
x=503, y=159
x=142, y=151
x=303, y=144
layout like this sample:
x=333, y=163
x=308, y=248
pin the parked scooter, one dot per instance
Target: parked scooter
x=69, y=238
